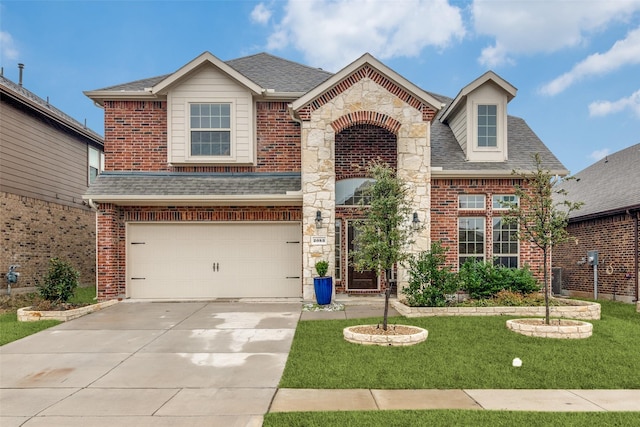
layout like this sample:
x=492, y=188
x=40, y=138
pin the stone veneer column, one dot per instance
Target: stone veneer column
x=318, y=168
x=318, y=189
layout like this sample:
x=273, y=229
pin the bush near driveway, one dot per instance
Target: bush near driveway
x=11, y=329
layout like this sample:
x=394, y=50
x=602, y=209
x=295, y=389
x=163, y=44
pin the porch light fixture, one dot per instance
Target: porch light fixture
x=415, y=223
x=318, y=219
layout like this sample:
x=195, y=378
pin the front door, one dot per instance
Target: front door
x=358, y=280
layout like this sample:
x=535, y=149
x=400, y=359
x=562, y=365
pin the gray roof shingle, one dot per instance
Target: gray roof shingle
x=193, y=184
x=523, y=144
x=268, y=71
x=609, y=185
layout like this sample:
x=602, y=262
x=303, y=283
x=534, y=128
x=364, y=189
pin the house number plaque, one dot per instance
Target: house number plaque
x=318, y=240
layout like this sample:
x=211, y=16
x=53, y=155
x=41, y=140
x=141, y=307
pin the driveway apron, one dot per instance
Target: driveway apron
x=150, y=364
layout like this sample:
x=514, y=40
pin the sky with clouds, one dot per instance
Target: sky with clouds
x=576, y=63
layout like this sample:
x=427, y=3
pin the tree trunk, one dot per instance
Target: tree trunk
x=546, y=286
x=387, y=295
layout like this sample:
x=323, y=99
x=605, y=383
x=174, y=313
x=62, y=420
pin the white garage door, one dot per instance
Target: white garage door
x=222, y=260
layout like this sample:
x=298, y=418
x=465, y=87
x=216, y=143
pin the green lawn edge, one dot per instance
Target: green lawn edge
x=450, y=418
x=468, y=353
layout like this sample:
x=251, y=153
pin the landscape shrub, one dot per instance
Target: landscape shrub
x=430, y=280
x=60, y=281
x=484, y=280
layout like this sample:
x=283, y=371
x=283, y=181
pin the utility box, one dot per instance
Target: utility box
x=556, y=280
x=592, y=257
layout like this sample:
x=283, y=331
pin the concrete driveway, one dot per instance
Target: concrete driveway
x=150, y=364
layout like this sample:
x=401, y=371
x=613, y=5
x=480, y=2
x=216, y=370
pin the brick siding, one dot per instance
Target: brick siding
x=136, y=139
x=445, y=214
x=359, y=145
x=34, y=231
x=613, y=237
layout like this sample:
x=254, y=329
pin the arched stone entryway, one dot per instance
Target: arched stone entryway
x=365, y=97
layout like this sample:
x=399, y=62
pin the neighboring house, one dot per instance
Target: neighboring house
x=47, y=160
x=231, y=179
x=608, y=224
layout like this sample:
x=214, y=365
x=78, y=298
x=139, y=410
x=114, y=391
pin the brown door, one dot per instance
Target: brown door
x=358, y=280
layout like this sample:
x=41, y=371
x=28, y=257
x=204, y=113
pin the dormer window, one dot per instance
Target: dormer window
x=487, y=125
x=210, y=129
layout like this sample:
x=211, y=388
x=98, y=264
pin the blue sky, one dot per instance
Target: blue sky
x=576, y=63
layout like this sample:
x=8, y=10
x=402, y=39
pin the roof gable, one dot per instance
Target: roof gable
x=367, y=66
x=487, y=77
x=206, y=58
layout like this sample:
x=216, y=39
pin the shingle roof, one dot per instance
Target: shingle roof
x=266, y=70
x=279, y=74
x=193, y=184
x=609, y=185
x=523, y=144
x=28, y=97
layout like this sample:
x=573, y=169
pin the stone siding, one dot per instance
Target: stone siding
x=34, y=231
x=575, y=310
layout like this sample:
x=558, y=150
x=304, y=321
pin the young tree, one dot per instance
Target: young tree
x=386, y=231
x=542, y=219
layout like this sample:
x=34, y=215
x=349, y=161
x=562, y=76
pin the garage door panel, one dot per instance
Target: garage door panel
x=186, y=260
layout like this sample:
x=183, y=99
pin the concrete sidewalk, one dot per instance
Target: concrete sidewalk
x=297, y=400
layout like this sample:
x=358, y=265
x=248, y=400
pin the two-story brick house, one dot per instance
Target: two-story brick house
x=231, y=179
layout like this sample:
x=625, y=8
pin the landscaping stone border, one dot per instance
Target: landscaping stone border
x=574, y=309
x=27, y=315
x=385, y=340
x=567, y=329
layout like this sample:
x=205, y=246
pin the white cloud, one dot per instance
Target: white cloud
x=8, y=49
x=333, y=33
x=623, y=52
x=600, y=154
x=604, y=108
x=260, y=14
x=527, y=27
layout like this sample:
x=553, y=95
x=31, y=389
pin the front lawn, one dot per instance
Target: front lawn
x=469, y=352
x=449, y=418
x=11, y=329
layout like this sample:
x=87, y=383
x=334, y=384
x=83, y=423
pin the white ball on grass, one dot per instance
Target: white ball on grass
x=517, y=362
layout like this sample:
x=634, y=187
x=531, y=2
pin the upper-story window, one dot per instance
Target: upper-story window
x=210, y=129
x=471, y=201
x=487, y=125
x=504, y=201
x=95, y=163
x=351, y=192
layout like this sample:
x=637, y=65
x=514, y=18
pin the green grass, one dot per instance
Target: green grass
x=12, y=330
x=469, y=352
x=450, y=418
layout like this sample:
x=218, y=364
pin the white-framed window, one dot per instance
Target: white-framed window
x=487, y=125
x=471, y=201
x=338, y=248
x=210, y=129
x=351, y=192
x=96, y=164
x=505, y=243
x=502, y=201
x=471, y=239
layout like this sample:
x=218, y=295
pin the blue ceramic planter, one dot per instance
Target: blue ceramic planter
x=324, y=288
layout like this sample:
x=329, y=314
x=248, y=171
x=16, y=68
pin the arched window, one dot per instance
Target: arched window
x=349, y=192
